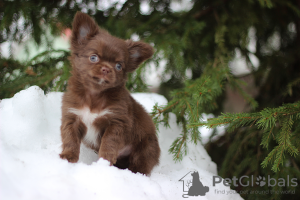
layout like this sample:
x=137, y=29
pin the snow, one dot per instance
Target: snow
x=32, y=170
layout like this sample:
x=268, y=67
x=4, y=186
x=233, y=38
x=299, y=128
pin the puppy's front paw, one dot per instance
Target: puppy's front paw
x=112, y=158
x=71, y=157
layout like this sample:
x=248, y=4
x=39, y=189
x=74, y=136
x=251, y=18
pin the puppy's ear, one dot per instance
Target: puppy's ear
x=84, y=28
x=138, y=53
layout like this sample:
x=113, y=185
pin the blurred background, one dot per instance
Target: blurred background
x=239, y=56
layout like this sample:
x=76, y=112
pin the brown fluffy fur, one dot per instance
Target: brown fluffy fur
x=96, y=99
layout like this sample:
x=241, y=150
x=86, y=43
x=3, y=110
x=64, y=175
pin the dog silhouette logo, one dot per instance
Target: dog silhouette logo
x=192, y=185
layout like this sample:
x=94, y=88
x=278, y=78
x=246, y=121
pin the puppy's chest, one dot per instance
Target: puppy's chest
x=88, y=118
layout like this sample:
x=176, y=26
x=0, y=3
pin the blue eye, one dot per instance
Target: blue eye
x=94, y=58
x=118, y=67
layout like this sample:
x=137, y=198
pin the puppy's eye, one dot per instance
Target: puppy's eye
x=118, y=67
x=94, y=58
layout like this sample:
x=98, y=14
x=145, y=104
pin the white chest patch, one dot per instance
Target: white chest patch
x=88, y=118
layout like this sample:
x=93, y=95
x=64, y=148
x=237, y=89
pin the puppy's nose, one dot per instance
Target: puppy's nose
x=105, y=70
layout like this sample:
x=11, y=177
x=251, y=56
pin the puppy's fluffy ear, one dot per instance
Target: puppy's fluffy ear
x=138, y=53
x=84, y=28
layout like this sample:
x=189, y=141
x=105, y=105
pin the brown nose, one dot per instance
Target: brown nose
x=105, y=70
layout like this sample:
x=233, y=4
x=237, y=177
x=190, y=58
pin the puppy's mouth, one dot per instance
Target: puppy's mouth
x=100, y=80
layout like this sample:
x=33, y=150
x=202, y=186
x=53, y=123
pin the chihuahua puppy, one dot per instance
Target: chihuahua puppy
x=97, y=109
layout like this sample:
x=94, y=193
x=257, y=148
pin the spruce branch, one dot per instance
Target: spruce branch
x=266, y=120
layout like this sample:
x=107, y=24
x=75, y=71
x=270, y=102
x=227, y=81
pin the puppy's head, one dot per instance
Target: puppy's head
x=101, y=60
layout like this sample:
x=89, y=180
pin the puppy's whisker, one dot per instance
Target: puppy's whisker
x=101, y=81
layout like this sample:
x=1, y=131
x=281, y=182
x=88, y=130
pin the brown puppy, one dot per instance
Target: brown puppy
x=97, y=109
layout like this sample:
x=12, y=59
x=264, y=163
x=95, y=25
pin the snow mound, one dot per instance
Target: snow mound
x=32, y=170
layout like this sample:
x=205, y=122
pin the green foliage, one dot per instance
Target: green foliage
x=282, y=118
x=49, y=70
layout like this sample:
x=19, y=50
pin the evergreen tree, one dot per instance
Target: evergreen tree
x=203, y=40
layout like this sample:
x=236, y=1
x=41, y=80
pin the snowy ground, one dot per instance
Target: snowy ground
x=31, y=168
